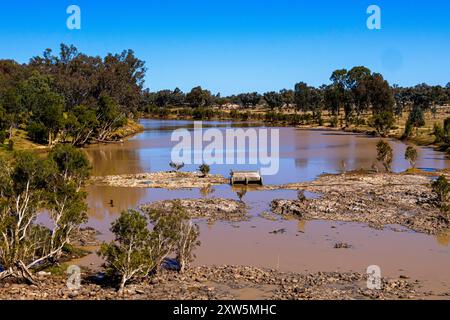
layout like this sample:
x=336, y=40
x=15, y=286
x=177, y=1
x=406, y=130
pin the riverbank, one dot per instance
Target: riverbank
x=21, y=141
x=223, y=282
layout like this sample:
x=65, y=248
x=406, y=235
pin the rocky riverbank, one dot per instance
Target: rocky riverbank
x=377, y=199
x=167, y=179
x=222, y=282
x=209, y=208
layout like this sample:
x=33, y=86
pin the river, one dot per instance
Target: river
x=304, y=245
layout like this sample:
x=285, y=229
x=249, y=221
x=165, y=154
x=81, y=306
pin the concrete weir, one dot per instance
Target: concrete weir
x=246, y=177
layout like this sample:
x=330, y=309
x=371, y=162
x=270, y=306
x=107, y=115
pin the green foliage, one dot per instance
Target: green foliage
x=273, y=99
x=199, y=97
x=441, y=188
x=71, y=163
x=334, y=122
x=204, y=169
x=439, y=134
x=28, y=185
x=130, y=254
x=416, y=117
x=442, y=133
x=385, y=154
x=139, y=252
x=383, y=122
x=176, y=166
x=411, y=155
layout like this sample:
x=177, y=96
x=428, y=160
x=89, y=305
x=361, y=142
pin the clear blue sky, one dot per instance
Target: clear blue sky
x=232, y=46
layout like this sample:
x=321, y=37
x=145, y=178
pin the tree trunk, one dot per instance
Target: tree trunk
x=122, y=284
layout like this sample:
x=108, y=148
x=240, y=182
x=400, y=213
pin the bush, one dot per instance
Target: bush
x=411, y=155
x=385, y=154
x=383, y=122
x=130, y=254
x=139, y=252
x=37, y=132
x=441, y=188
x=204, y=169
x=176, y=166
x=334, y=121
x=2, y=136
x=439, y=134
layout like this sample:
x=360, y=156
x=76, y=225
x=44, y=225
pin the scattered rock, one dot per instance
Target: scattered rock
x=342, y=245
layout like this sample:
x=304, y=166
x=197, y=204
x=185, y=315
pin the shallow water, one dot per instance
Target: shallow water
x=304, y=245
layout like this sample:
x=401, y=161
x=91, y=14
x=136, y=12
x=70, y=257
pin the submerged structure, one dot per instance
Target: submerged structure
x=245, y=177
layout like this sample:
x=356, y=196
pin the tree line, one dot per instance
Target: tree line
x=77, y=98
x=350, y=94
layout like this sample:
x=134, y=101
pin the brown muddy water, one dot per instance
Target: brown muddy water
x=301, y=245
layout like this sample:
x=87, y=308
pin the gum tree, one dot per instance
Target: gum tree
x=28, y=185
x=130, y=254
x=385, y=154
x=411, y=155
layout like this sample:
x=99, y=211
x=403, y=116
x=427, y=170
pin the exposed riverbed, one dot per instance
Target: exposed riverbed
x=267, y=240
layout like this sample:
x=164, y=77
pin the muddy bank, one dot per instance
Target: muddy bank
x=210, y=208
x=168, y=180
x=375, y=199
x=222, y=282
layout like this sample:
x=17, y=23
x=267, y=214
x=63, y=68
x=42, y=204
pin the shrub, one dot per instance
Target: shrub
x=130, y=254
x=204, y=169
x=139, y=252
x=176, y=166
x=441, y=188
x=174, y=232
x=439, y=134
x=186, y=242
x=334, y=121
x=411, y=155
x=37, y=132
x=385, y=154
x=2, y=136
x=383, y=122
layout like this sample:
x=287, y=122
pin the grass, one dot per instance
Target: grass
x=21, y=143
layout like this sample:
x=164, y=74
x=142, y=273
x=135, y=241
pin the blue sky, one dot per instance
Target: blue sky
x=236, y=46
